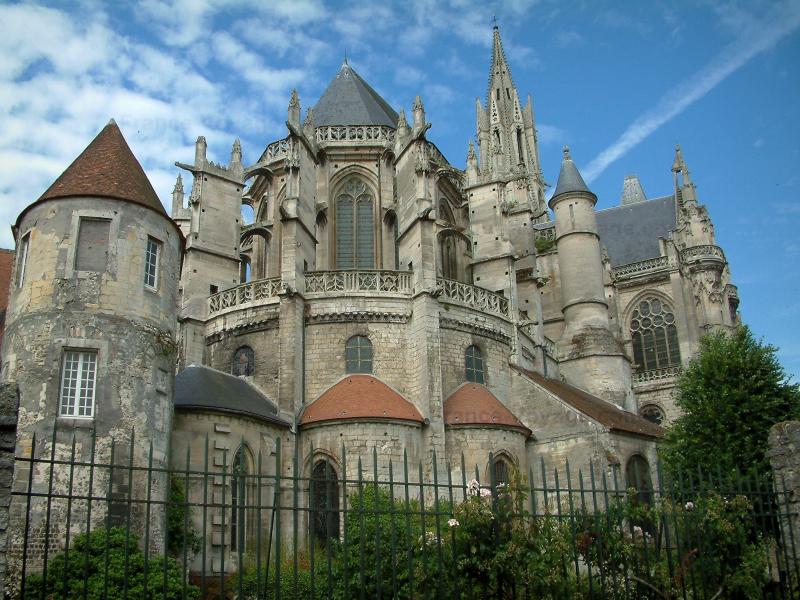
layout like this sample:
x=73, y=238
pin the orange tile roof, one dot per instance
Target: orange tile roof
x=473, y=404
x=106, y=168
x=360, y=397
x=603, y=412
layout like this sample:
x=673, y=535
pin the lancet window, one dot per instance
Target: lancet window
x=654, y=335
x=355, y=227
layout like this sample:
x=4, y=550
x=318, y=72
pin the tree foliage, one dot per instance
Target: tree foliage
x=731, y=394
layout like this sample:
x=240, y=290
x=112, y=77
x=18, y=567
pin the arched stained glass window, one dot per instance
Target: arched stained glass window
x=654, y=335
x=355, y=229
x=501, y=472
x=358, y=355
x=239, y=501
x=473, y=364
x=324, y=502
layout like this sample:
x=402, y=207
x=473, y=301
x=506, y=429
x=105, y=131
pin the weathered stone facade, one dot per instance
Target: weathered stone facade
x=370, y=263
x=784, y=457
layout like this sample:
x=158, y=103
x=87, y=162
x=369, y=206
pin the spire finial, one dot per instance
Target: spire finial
x=345, y=58
x=494, y=22
x=566, y=153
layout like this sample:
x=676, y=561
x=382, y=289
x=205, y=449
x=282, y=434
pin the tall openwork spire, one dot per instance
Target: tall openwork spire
x=499, y=72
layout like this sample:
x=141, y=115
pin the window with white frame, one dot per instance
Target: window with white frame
x=78, y=378
x=151, y=263
x=22, y=255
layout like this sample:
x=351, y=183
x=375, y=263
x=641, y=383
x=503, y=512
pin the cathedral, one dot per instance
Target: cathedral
x=350, y=290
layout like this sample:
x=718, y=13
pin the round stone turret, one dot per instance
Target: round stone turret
x=91, y=320
x=592, y=357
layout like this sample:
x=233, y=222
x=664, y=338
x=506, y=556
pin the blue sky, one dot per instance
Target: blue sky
x=621, y=83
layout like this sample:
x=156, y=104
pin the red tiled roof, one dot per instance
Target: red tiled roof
x=360, y=397
x=473, y=404
x=106, y=168
x=595, y=408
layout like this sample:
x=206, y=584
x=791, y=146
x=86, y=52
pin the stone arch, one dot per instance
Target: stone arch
x=255, y=245
x=454, y=255
x=391, y=234
x=243, y=362
x=501, y=467
x=653, y=412
x=637, y=476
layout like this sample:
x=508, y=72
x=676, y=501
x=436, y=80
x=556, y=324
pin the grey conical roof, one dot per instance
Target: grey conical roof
x=349, y=100
x=569, y=179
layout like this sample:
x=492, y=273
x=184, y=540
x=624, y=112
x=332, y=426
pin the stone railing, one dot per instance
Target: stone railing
x=545, y=231
x=355, y=133
x=382, y=282
x=706, y=252
x=732, y=291
x=549, y=346
x=472, y=296
x=656, y=374
x=246, y=293
x=275, y=151
x=641, y=267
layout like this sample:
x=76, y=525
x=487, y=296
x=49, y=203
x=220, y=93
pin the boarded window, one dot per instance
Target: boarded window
x=355, y=227
x=92, y=252
x=473, y=365
x=358, y=355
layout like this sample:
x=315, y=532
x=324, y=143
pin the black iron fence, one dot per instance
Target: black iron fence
x=89, y=521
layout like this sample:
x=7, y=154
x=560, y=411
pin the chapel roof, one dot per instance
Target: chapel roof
x=603, y=412
x=360, y=397
x=203, y=388
x=106, y=168
x=349, y=100
x=630, y=232
x=474, y=404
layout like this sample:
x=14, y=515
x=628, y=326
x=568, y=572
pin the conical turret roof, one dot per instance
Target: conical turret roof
x=106, y=168
x=569, y=178
x=349, y=100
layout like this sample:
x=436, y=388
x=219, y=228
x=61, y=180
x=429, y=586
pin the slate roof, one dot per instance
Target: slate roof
x=630, y=232
x=595, y=408
x=106, y=168
x=203, y=388
x=360, y=397
x=569, y=178
x=473, y=404
x=349, y=100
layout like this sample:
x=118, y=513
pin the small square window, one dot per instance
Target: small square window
x=78, y=378
x=151, y=263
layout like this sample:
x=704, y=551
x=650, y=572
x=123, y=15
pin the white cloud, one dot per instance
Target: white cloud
x=782, y=21
x=569, y=39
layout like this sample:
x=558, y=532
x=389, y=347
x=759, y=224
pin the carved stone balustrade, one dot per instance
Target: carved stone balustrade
x=549, y=346
x=653, y=375
x=372, y=282
x=369, y=134
x=275, y=151
x=472, y=296
x=642, y=267
x=252, y=293
x=706, y=254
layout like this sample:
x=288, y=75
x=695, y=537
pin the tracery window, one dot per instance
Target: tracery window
x=355, y=228
x=239, y=501
x=358, y=355
x=501, y=472
x=244, y=361
x=324, y=502
x=652, y=413
x=473, y=365
x=654, y=335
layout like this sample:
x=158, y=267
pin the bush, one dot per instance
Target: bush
x=98, y=563
x=178, y=516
